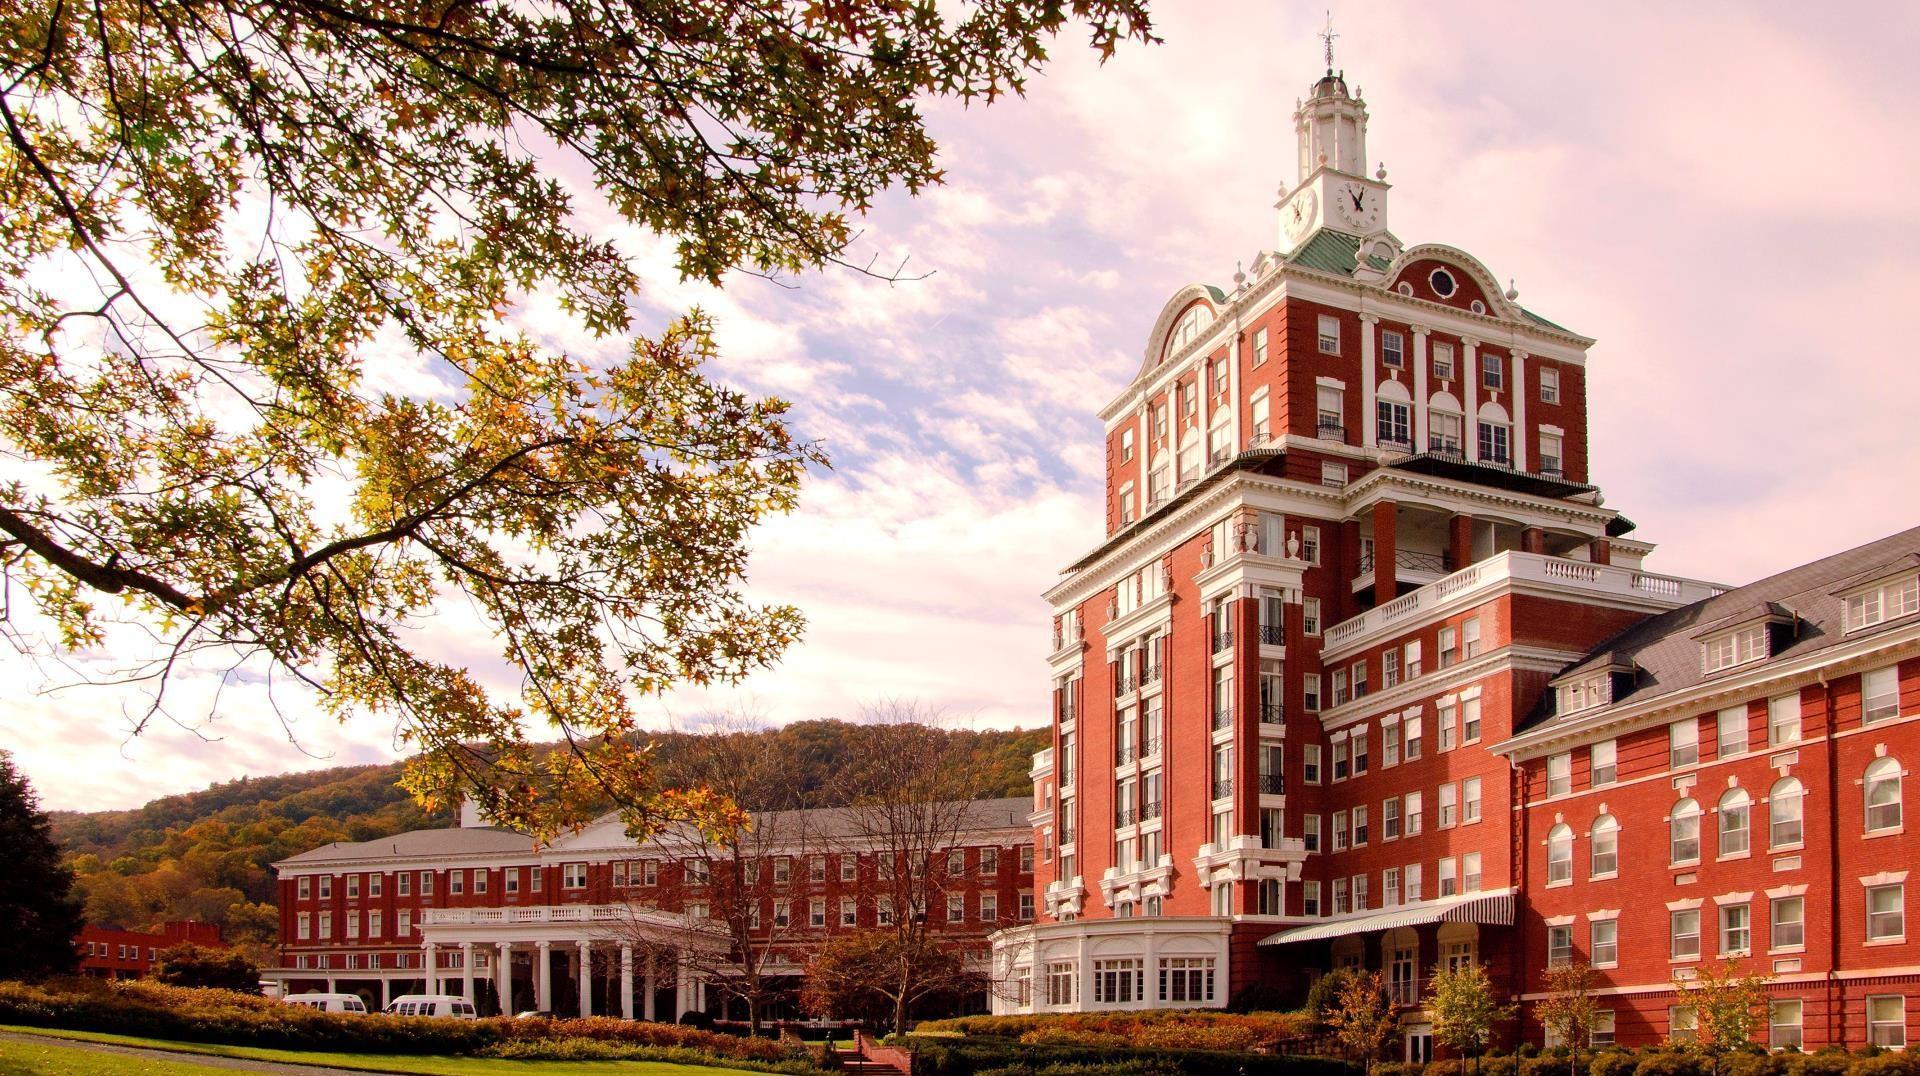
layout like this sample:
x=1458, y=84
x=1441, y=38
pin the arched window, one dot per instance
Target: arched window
x=1883, y=795
x=1444, y=429
x=1735, y=825
x=1188, y=327
x=1683, y=832
x=1560, y=854
x=1496, y=434
x=1606, y=847
x=1785, y=813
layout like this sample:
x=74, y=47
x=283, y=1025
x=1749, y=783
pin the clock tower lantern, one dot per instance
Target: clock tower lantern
x=1333, y=190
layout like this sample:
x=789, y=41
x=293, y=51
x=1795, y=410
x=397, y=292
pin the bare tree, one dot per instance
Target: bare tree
x=741, y=945
x=909, y=788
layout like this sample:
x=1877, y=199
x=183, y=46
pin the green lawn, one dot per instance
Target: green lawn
x=20, y=1058
x=36, y=1059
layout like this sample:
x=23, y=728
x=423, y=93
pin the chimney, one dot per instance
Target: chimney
x=470, y=813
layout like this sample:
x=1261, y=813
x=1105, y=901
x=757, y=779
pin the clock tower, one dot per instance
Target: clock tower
x=1333, y=190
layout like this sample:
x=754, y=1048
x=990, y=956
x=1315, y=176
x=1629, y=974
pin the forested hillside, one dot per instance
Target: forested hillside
x=204, y=855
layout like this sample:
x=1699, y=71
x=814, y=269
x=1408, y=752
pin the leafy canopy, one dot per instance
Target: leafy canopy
x=261, y=397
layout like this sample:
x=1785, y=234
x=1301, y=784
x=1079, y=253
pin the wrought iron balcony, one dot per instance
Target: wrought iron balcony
x=1550, y=467
x=1066, y=714
x=1394, y=439
x=1150, y=811
x=1273, y=784
x=1222, y=639
x=1125, y=816
x=1273, y=635
x=1272, y=713
x=1222, y=787
x=1150, y=747
x=1124, y=754
x=1445, y=446
x=1330, y=430
x=1411, y=560
x=1150, y=675
x=1223, y=717
x=1124, y=684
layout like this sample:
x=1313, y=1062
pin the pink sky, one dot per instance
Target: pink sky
x=1721, y=194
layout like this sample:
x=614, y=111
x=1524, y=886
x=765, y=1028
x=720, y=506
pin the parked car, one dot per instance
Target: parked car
x=328, y=1002
x=447, y=1005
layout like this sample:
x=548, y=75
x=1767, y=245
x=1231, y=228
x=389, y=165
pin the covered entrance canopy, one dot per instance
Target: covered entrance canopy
x=1490, y=908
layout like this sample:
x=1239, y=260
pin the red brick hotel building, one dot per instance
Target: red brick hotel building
x=1367, y=674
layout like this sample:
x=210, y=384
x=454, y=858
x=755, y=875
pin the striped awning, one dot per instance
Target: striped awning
x=1491, y=908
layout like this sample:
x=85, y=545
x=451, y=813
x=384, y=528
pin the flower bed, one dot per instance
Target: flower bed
x=135, y=1007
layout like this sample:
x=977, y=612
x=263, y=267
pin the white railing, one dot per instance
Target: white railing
x=562, y=913
x=1576, y=575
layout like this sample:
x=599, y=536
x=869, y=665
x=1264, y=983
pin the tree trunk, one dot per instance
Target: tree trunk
x=900, y=1014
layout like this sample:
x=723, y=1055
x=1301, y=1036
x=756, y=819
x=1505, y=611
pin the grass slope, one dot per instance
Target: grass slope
x=14, y=1053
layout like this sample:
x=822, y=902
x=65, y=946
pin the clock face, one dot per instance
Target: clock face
x=1358, y=205
x=1299, y=213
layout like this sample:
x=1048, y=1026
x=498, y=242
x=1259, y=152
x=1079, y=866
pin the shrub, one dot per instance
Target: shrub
x=1168, y=1028
x=135, y=1007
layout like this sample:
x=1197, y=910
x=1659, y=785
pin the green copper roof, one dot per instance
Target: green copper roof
x=1218, y=295
x=1332, y=252
x=1544, y=321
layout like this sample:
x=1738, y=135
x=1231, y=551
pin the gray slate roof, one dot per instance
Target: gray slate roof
x=418, y=843
x=1665, y=649
x=822, y=822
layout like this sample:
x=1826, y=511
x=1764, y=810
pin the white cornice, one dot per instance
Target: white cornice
x=1506, y=658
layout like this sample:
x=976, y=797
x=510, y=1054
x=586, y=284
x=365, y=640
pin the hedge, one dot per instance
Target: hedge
x=1004, y=1056
x=1173, y=1029
x=137, y=1007
x=1674, y=1061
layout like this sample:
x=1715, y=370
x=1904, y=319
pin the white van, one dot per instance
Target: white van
x=328, y=1002
x=448, y=1005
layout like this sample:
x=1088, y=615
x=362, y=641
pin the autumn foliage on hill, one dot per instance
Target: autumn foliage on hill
x=205, y=855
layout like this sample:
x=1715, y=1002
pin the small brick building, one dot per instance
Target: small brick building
x=118, y=953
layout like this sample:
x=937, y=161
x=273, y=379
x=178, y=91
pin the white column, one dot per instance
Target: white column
x=1143, y=444
x=626, y=982
x=543, y=976
x=386, y=991
x=1419, y=389
x=331, y=987
x=1083, y=981
x=1470, y=397
x=503, y=976
x=1519, y=410
x=682, y=989
x=466, y=971
x=433, y=968
x=1367, y=376
x=647, y=1002
x=586, y=977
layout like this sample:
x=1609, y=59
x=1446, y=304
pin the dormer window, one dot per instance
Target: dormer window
x=1737, y=647
x=1586, y=693
x=1887, y=600
x=1188, y=328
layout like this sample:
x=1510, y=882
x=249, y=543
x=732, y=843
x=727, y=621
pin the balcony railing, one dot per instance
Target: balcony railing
x=1222, y=787
x=1124, y=754
x=1399, y=440
x=1272, y=713
x=1150, y=675
x=1273, y=784
x=1150, y=747
x=1066, y=836
x=1223, y=717
x=1329, y=430
x=1066, y=714
x=1550, y=467
x=1411, y=560
x=1222, y=639
x=1150, y=811
x=1273, y=635
x=1406, y=991
x=1496, y=459
x=1124, y=684
x=1125, y=816
x=1445, y=446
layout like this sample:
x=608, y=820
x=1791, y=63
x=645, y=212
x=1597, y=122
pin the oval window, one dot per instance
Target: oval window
x=1443, y=283
x=1479, y=307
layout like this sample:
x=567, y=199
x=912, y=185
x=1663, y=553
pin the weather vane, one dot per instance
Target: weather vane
x=1327, y=36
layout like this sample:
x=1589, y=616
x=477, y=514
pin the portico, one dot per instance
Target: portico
x=604, y=953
